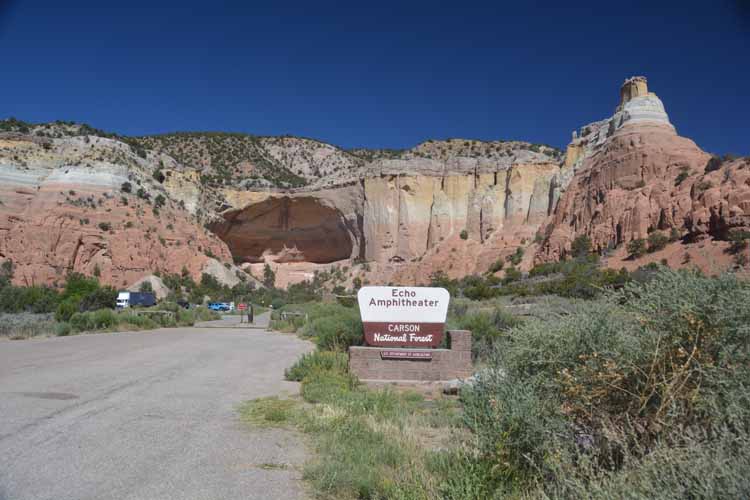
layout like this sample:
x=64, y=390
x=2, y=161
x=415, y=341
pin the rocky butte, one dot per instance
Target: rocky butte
x=73, y=198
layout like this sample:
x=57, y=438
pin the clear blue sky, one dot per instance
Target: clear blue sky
x=377, y=74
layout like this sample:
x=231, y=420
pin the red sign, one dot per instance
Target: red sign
x=241, y=307
x=426, y=355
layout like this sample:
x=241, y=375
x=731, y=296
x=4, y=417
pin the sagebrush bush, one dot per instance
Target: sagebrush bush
x=486, y=327
x=318, y=360
x=66, y=309
x=657, y=366
x=80, y=322
x=334, y=327
x=62, y=329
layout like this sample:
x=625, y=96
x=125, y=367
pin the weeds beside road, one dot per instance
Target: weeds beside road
x=369, y=443
x=640, y=394
x=27, y=325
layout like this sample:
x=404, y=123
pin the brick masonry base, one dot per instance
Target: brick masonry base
x=446, y=364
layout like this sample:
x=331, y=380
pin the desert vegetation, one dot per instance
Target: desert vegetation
x=82, y=304
x=224, y=158
x=635, y=391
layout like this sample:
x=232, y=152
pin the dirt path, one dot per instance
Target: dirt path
x=148, y=415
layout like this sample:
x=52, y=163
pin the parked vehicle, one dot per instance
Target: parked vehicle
x=183, y=304
x=218, y=306
x=131, y=299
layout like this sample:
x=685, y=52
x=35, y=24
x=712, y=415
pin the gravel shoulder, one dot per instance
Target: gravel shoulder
x=146, y=415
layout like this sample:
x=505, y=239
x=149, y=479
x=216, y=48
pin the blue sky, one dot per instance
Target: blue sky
x=376, y=74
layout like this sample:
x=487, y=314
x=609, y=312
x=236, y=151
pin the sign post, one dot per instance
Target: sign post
x=404, y=329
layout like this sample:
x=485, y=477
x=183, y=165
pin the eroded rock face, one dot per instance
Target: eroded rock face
x=627, y=189
x=397, y=223
x=302, y=206
x=634, y=175
x=405, y=217
x=285, y=229
x=57, y=220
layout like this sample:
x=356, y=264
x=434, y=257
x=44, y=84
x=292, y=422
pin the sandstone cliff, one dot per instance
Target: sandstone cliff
x=232, y=203
x=634, y=175
x=296, y=204
x=63, y=208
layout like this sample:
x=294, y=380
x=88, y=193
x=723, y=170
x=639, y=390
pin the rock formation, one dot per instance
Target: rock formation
x=63, y=208
x=634, y=175
x=73, y=198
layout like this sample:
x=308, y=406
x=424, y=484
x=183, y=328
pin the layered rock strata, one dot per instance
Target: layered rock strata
x=57, y=218
x=206, y=202
x=633, y=175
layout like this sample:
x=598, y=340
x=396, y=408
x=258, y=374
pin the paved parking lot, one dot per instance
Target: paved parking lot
x=146, y=415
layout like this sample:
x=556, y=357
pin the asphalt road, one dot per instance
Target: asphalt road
x=147, y=415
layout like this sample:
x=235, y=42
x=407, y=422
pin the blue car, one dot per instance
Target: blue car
x=218, y=306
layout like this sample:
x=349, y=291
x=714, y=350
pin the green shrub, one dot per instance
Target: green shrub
x=516, y=257
x=66, y=309
x=317, y=361
x=477, y=288
x=269, y=277
x=637, y=248
x=34, y=299
x=337, y=332
x=714, y=163
x=62, y=329
x=700, y=470
x=684, y=174
x=101, y=298
x=103, y=319
x=81, y=322
x=652, y=369
x=496, y=266
x=511, y=274
x=461, y=475
x=486, y=328
x=581, y=246
x=739, y=240
x=657, y=241
x=464, y=234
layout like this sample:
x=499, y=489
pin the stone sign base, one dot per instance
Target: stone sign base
x=400, y=364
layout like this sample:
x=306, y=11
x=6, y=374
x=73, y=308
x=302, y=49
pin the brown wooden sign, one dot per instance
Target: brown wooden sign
x=403, y=316
x=404, y=334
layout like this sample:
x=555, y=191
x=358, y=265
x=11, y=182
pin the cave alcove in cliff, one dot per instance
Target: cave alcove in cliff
x=286, y=229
